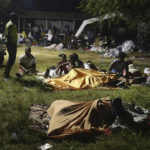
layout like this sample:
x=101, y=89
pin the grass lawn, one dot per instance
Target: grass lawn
x=17, y=96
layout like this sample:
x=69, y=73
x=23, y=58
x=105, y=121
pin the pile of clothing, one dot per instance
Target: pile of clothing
x=126, y=47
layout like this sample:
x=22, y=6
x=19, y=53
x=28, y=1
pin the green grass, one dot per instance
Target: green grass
x=16, y=96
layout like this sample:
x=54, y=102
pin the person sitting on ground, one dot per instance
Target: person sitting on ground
x=62, y=64
x=20, y=40
x=75, y=61
x=120, y=66
x=61, y=69
x=27, y=63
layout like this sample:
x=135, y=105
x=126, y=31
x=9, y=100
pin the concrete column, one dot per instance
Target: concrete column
x=18, y=24
x=46, y=24
x=73, y=25
x=23, y=23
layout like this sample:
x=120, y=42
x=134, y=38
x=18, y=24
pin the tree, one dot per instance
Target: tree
x=6, y=6
x=134, y=12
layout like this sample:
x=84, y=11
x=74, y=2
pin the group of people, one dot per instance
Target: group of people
x=28, y=61
x=64, y=66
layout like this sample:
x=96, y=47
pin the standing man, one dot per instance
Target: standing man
x=12, y=37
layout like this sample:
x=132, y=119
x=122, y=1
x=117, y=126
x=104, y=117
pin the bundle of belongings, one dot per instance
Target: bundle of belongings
x=147, y=72
x=67, y=118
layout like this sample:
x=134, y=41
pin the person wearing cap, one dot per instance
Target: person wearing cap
x=11, y=42
x=120, y=66
x=27, y=63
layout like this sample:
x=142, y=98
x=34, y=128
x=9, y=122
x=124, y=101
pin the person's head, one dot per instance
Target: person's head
x=62, y=56
x=71, y=58
x=13, y=17
x=28, y=51
x=122, y=56
x=76, y=57
x=89, y=62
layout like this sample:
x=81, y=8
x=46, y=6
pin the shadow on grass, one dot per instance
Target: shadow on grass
x=33, y=83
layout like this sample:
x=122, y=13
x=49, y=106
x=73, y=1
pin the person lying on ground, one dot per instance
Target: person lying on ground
x=65, y=118
x=91, y=65
x=27, y=64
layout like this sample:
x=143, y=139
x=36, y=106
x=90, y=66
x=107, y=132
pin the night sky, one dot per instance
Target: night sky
x=51, y=5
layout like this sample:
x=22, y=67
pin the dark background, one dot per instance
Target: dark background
x=51, y=5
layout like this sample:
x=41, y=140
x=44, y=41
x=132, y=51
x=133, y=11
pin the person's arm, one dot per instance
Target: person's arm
x=60, y=66
x=23, y=68
x=33, y=66
x=126, y=69
x=112, y=65
x=21, y=63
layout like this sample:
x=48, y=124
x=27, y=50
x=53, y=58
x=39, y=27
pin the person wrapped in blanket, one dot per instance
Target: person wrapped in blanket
x=27, y=64
x=62, y=119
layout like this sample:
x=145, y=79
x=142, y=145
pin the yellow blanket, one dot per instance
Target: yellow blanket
x=71, y=118
x=80, y=78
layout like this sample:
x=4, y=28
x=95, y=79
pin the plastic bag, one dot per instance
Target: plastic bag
x=128, y=46
x=45, y=146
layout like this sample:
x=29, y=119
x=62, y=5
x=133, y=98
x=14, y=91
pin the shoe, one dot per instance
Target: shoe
x=2, y=66
x=5, y=79
x=6, y=76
